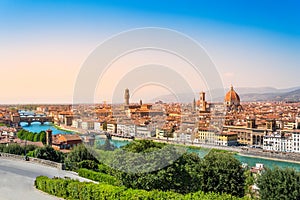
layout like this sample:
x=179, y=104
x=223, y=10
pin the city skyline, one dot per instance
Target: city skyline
x=43, y=44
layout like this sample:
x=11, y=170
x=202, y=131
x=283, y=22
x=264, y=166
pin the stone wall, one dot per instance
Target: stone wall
x=33, y=160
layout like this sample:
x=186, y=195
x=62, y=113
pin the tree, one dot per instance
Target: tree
x=48, y=153
x=78, y=154
x=222, y=173
x=30, y=136
x=279, y=184
x=43, y=137
x=36, y=137
x=142, y=146
x=249, y=182
x=21, y=134
x=155, y=166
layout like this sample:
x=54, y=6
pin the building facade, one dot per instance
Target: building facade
x=145, y=131
x=278, y=142
x=212, y=137
x=87, y=125
x=126, y=129
x=296, y=141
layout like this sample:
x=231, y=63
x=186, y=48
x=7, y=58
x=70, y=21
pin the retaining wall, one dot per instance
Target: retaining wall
x=33, y=160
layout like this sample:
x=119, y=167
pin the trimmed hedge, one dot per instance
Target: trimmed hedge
x=55, y=186
x=73, y=189
x=98, y=176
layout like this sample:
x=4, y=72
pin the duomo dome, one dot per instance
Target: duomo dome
x=232, y=97
x=232, y=100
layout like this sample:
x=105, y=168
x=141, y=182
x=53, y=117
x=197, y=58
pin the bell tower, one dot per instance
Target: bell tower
x=126, y=97
x=202, y=105
x=49, y=137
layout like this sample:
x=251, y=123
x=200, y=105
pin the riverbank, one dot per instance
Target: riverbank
x=67, y=129
x=62, y=129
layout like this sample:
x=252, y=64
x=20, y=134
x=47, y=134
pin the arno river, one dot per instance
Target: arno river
x=36, y=127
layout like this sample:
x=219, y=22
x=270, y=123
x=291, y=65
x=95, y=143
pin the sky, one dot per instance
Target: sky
x=43, y=44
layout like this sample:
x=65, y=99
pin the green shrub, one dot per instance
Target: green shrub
x=104, y=169
x=55, y=186
x=208, y=196
x=88, y=164
x=98, y=176
x=16, y=148
x=73, y=189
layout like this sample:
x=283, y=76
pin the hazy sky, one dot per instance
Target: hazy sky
x=44, y=43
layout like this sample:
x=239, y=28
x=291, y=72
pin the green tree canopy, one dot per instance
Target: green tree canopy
x=30, y=136
x=141, y=146
x=42, y=137
x=279, y=184
x=35, y=137
x=48, y=153
x=21, y=134
x=78, y=154
x=222, y=173
x=147, y=165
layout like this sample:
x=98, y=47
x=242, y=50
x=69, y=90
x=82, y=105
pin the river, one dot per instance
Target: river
x=36, y=127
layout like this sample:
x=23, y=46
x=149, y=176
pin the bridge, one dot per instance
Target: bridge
x=30, y=118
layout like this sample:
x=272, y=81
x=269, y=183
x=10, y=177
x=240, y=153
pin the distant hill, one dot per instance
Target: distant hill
x=263, y=90
x=246, y=95
x=283, y=96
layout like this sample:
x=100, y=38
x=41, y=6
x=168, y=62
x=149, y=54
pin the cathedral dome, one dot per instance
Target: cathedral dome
x=232, y=97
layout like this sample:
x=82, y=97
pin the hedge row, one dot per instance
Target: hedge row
x=73, y=189
x=98, y=176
